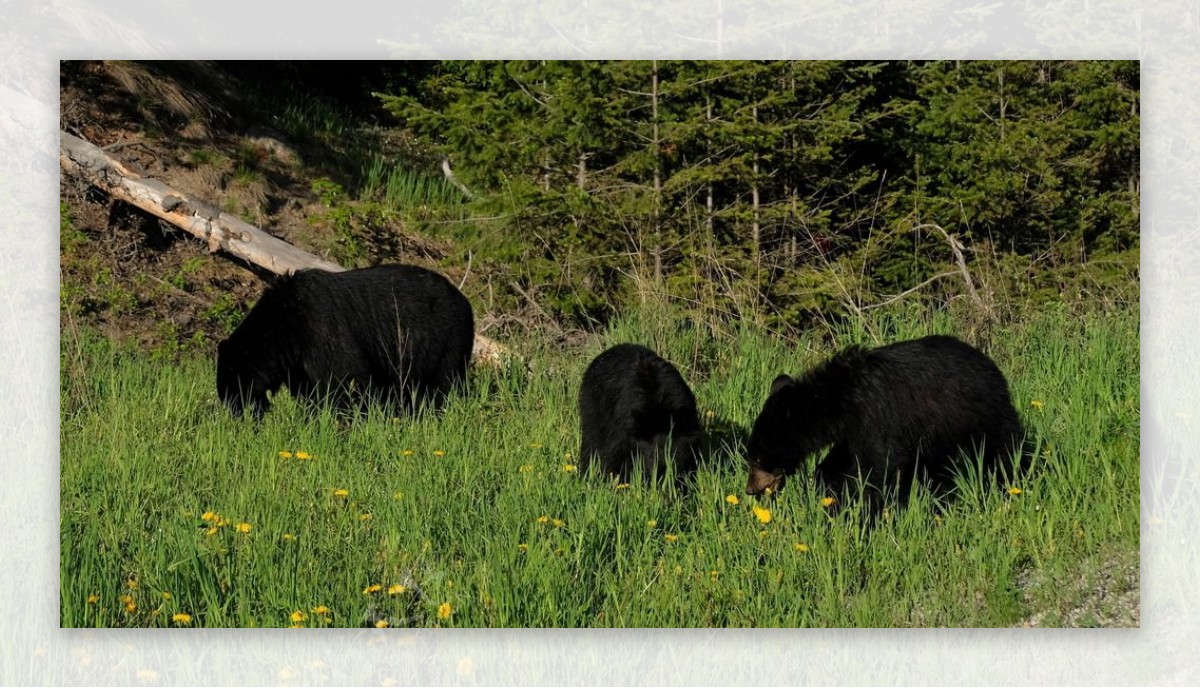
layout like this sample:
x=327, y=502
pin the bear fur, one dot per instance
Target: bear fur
x=636, y=409
x=913, y=409
x=392, y=334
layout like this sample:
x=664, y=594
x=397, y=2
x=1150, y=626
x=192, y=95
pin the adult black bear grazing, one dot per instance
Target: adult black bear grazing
x=388, y=332
x=632, y=405
x=920, y=406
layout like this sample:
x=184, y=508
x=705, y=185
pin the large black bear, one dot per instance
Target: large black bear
x=911, y=409
x=392, y=333
x=633, y=404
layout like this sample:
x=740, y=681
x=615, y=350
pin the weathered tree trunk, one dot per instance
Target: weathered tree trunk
x=221, y=231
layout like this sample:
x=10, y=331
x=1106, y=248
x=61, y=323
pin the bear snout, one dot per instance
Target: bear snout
x=760, y=481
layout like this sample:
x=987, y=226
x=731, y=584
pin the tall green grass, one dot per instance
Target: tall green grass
x=476, y=513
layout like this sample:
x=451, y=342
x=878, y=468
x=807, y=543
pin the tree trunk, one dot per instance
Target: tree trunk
x=221, y=231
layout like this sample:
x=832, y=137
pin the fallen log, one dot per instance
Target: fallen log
x=219, y=230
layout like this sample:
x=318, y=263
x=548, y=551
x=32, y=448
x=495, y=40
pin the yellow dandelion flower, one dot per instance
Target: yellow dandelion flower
x=523, y=547
x=651, y=523
x=671, y=537
x=320, y=609
x=382, y=623
x=341, y=492
x=397, y=495
x=710, y=414
x=714, y=574
x=288, y=537
x=801, y=547
x=558, y=523
x=303, y=455
x=439, y=452
x=372, y=589
x=242, y=527
x=132, y=583
x=406, y=452
x=543, y=518
x=365, y=517
x=445, y=610
x=568, y=468
x=828, y=501
x=937, y=519
x=166, y=594
x=298, y=616
x=1014, y=491
x=525, y=468
x=1038, y=404
x=732, y=499
x=182, y=618
x=622, y=486
x=93, y=598
x=535, y=445
x=221, y=522
x=396, y=589
x=209, y=516
x=125, y=599
x=211, y=531
x=285, y=455
x=762, y=533
x=762, y=514
x=131, y=607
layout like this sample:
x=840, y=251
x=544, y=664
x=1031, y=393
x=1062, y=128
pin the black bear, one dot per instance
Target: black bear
x=636, y=409
x=389, y=333
x=911, y=409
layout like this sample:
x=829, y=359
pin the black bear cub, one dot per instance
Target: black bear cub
x=914, y=409
x=389, y=333
x=636, y=409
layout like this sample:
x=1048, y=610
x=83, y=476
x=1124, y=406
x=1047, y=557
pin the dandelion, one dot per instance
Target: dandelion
x=382, y=623
x=132, y=583
x=406, y=452
x=130, y=607
x=439, y=452
x=372, y=589
x=397, y=495
x=801, y=547
x=341, y=492
x=288, y=537
x=445, y=610
x=709, y=414
x=182, y=618
x=242, y=527
x=320, y=609
x=651, y=523
x=762, y=514
x=210, y=532
x=396, y=589
x=567, y=455
x=714, y=574
x=525, y=468
x=523, y=548
x=298, y=616
x=1038, y=404
x=125, y=599
x=166, y=595
x=221, y=522
x=558, y=523
x=732, y=499
x=365, y=517
x=1014, y=491
x=622, y=486
x=671, y=537
x=93, y=598
x=762, y=533
x=828, y=502
x=568, y=468
x=543, y=518
x=535, y=445
x=302, y=456
x=209, y=516
x=285, y=455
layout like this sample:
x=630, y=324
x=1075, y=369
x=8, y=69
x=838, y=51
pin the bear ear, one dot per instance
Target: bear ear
x=780, y=382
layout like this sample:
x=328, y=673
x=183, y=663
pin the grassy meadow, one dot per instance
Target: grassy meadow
x=174, y=514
